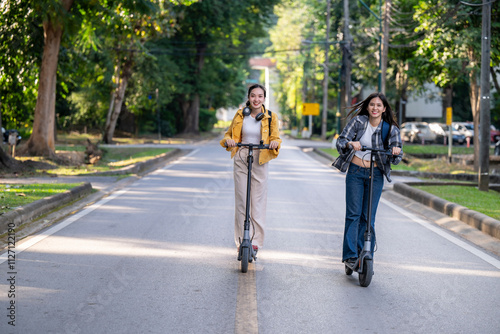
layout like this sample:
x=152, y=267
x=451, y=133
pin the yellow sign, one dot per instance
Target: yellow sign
x=310, y=109
x=449, y=114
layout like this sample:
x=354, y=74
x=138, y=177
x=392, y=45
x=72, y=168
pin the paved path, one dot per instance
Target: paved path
x=158, y=256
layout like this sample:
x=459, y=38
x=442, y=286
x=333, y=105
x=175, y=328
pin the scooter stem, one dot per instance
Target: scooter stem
x=368, y=237
x=246, y=226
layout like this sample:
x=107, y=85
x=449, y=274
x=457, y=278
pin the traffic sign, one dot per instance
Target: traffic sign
x=449, y=114
x=310, y=109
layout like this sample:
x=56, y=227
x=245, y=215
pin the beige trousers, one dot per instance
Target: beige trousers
x=258, y=197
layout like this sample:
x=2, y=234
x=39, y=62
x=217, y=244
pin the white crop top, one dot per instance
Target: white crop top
x=250, y=133
x=366, y=140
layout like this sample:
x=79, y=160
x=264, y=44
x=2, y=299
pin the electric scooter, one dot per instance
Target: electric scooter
x=364, y=265
x=246, y=253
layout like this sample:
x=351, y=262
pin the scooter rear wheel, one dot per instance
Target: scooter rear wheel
x=365, y=277
x=245, y=254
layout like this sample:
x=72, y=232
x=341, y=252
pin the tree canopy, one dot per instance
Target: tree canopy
x=436, y=41
x=162, y=65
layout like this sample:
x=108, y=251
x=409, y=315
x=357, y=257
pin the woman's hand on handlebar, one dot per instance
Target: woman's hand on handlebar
x=230, y=143
x=355, y=145
x=273, y=145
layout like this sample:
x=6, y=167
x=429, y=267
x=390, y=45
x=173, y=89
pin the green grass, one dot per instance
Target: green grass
x=76, y=139
x=123, y=156
x=438, y=165
x=16, y=195
x=487, y=203
x=70, y=147
x=113, y=158
x=440, y=149
x=333, y=152
x=427, y=149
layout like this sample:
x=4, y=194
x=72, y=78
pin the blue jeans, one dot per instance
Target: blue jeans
x=356, y=216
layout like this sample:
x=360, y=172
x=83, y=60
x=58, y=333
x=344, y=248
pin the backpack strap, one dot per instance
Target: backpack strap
x=270, y=119
x=385, y=134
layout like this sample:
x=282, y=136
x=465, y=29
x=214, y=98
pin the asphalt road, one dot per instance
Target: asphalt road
x=158, y=257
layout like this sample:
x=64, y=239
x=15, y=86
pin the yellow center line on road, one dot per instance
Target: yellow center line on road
x=246, y=303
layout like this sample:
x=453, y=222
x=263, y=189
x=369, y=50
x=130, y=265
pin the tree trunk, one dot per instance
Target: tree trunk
x=192, y=112
x=1, y=118
x=41, y=142
x=6, y=162
x=116, y=104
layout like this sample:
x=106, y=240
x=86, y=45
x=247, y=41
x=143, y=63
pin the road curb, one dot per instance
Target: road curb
x=31, y=211
x=473, y=218
x=458, y=177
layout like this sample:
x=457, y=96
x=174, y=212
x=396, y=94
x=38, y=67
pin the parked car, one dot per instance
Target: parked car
x=416, y=132
x=442, y=130
x=465, y=128
x=494, y=134
x=6, y=133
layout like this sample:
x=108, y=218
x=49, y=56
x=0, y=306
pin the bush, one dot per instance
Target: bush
x=207, y=119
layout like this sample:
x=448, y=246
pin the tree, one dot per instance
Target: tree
x=134, y=24
x=21, y=44
x=452, y=47
x=299, y=39
x=41, y=142
x=213, y=28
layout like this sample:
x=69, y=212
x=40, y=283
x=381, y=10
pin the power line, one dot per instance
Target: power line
x=176, y=52
x=477, y=4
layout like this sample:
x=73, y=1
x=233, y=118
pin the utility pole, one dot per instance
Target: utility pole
x=485, y=117
x=379, y=18
x=385, y=46
x=345, y=97
x=347, y=55
x=326, y=74
x=158, y=116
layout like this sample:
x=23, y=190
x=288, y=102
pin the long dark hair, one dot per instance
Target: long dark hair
x=361, y=108
x=252, y=87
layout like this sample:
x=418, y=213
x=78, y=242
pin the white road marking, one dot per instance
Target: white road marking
x=482, y=255
x=39, y=237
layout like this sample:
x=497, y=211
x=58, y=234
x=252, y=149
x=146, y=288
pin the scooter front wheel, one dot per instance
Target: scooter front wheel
x=365, y=277
x=245, y=254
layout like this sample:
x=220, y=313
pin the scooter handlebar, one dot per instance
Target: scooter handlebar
x=260, y=146
x=380, y=150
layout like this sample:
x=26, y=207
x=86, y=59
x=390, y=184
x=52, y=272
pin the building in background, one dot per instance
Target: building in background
x=426, y=107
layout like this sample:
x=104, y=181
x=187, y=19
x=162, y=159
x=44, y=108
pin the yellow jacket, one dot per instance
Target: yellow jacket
x=234, y=132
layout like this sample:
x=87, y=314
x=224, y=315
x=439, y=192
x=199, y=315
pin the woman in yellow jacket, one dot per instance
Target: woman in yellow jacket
x=251, y=129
